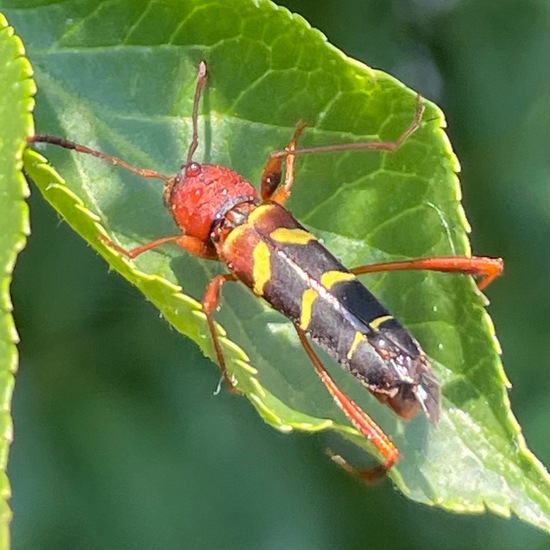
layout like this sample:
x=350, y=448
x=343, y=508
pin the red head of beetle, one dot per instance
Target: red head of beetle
x=200, y=194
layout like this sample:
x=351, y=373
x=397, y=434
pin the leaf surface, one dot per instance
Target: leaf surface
x=16, y=91
x=120, y=76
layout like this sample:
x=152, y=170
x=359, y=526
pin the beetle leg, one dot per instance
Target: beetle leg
x=357, y=416
x=361, y=145
x=194, y=246
x=487, y=269
x=271, y=176
x=213, y=290
x=210, y=302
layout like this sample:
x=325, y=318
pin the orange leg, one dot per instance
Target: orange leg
x=191, y=244
x=213, y=290
x=357, y=417
x=271, y=176
x=487, y=269
x=210, y=302
x=360, y=146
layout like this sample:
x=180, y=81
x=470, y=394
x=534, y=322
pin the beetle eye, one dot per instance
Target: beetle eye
x=193, y=169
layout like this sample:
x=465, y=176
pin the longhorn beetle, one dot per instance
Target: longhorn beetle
x=221, y=217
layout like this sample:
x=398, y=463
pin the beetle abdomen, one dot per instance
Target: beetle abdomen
x=285, y=264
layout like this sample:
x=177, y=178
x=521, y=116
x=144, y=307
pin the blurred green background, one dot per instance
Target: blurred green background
x=120, y=442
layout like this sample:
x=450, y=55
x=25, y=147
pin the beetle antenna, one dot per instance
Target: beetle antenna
x=201, y=83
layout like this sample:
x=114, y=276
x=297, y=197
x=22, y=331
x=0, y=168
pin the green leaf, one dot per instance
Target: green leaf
x=16, y=91
x=120, y=76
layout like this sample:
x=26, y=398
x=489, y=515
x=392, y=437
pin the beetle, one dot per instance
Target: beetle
x=221, y=217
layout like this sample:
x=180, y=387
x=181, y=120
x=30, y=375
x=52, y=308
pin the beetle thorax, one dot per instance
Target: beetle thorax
x=200, y=194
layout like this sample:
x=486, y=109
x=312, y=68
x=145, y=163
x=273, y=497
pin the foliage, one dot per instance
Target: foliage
x=117, y=80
